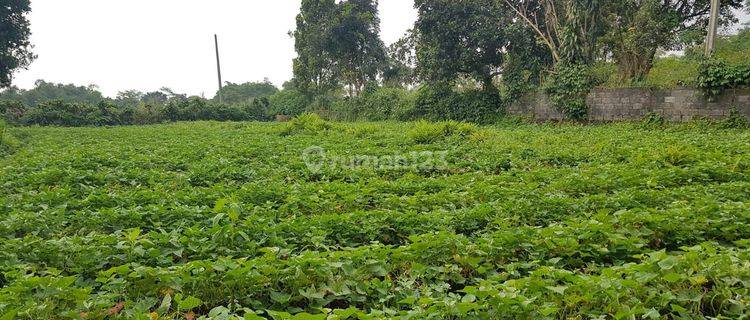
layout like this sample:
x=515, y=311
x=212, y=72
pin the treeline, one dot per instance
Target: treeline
x=469, y=59
x=463, y=60
x=70, y=105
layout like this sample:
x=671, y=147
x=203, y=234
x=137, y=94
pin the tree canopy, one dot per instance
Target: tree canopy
x=45, y=91
x=338, y=45
x=246, y=92
x=15, y=47
x=448, y=47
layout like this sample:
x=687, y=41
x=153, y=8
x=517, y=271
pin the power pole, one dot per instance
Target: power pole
x=713, y=27
x=218, y=67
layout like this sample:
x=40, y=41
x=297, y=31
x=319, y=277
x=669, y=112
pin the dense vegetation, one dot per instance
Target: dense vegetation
x=15, y=47
x=69, y=105
x=187, y=220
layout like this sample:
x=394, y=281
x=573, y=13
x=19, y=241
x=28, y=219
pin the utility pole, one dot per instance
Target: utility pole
x=218, y=67
x=713, y=27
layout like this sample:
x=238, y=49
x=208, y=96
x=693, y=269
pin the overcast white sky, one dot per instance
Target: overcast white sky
x=148, y=44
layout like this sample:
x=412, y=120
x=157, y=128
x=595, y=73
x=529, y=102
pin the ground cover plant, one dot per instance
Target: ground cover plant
x=227, y=221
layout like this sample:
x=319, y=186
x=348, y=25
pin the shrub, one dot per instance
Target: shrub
x=715, y=76
x=735, y=120
x=12, y=111
x=258, y=110
x=191, y=109
x=288, y=102
x=8, y=143
x=568, y=88
x=440, y=102
x=670, y=72
x=55, y=113
x=384, y=104
x=652, y=120
x=605, y=74
x=427, y=132
x=148, y=114
x=310, y=123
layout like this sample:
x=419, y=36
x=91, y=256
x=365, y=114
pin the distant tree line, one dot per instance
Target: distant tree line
x=462, y=60
x=71, y=105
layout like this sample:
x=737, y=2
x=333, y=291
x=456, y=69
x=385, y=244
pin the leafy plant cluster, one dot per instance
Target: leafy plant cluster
x=107, y=113
x=567, y=88
x=427, y=132
x=715, y=76
x=8, y=142
x=223, y=221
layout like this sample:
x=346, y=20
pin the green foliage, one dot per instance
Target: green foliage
x=60, y=113
x=536, y=222
x=12, y=111
x=307, y=123
x=671, y=72
x=401, y=62
x=110, y=113
x=715, y=76
x=735, y=120
x=245, y=93
x=653, y=120
x=442, y=57
x=46, y=91
x=427, y=132
x=15, y=47
x=290, y=102
x=338, y=44
x=637, y=29
x=604, y=74
x=8, y=142
x=376, y=105
x=441, y=101
x=567, y=89
x=525, y=61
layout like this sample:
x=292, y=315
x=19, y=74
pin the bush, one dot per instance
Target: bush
x=715, y=76
x=385, y=104
x=568, y=88
x=148, y=114
x=310, y=123
x=258, y=110
x=288, y=103
x=12, y=111
x=441, y=102
x=8, y=143
x=670, y=72
x=56, y=113
x=427, y=132
x=735, y=120
x=653, y=120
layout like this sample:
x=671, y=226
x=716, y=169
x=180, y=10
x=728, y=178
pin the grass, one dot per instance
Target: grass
x=222, y=220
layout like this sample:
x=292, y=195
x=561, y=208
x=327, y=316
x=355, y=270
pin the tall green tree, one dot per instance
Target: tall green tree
x=357, y=48
x=461, y=39
x=315, y=70
x=15, y=47
x=338, y=45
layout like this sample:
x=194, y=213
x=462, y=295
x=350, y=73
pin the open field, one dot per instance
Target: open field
x=187, y=220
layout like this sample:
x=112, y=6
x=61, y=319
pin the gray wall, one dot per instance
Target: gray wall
x=679, y=104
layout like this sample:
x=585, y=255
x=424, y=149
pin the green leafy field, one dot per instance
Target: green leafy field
x=223, y=220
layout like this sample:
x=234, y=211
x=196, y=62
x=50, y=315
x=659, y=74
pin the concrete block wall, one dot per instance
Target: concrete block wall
x=678, y=105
